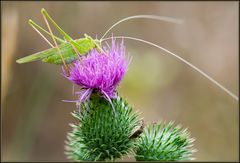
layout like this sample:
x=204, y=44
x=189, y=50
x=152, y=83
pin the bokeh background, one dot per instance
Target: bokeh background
x=35, y=120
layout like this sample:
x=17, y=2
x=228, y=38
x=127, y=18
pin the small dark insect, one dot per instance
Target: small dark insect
x=138, y=131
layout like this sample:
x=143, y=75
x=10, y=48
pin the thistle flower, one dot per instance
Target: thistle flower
x=99, y=72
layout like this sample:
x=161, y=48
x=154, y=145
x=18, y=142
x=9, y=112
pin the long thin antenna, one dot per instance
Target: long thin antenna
x=155, y=17
x=181, y=59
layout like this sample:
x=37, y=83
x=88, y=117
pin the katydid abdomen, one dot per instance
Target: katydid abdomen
x=68, y=53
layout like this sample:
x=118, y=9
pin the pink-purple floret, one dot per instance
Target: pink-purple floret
x=100, y=72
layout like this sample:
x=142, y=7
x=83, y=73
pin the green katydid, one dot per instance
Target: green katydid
x=68, y=47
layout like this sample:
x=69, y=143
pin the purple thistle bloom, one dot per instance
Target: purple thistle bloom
x=100, y=72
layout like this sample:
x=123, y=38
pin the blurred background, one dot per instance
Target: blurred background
x=35, y=120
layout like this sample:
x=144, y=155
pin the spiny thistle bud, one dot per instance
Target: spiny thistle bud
x=164, y=142
x=99, y=135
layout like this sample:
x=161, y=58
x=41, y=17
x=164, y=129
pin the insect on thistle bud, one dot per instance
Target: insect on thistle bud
x=139, y=131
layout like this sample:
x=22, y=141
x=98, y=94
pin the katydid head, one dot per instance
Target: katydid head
x=98, y=45
x=96, y=42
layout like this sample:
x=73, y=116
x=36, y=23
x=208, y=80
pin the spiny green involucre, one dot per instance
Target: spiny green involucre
x=100, y=135
x=164, y=142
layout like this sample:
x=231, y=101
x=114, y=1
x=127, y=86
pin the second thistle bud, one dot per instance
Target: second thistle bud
x=164, y=142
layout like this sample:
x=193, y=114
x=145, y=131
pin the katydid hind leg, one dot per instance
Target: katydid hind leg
x=42, y=35
x=64, y=34
x=39, y=28
x=54, y=40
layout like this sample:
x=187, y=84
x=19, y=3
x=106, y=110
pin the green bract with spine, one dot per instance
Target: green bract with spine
x=164, y=142
x=100, y=135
